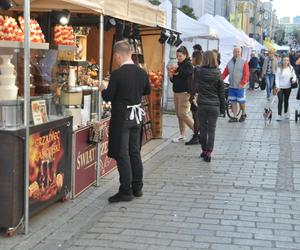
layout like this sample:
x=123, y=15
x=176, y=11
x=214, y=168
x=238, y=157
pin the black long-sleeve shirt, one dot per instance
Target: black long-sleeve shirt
x=182, y=77
x=127, y=85
x=253, y=63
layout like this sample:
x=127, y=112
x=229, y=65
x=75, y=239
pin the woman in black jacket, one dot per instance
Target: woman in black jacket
x=211, y=101
x=180, y=79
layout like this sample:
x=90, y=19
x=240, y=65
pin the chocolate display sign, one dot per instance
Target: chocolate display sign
x=85, y=165
x=49, y=164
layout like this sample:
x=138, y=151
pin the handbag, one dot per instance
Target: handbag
x=294, y=85
x=262, y=84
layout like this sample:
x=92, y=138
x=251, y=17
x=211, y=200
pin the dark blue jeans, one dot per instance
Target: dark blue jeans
x=270, y=80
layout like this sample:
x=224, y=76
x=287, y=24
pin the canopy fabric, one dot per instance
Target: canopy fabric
x=187, y=26
x=246, y=40
x=79, y=6
x=257, y=46
x=269, y=45
x=135, y=11
x=281, y=48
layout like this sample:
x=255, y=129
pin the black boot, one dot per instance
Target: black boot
x=207, y=156
x=194, y=140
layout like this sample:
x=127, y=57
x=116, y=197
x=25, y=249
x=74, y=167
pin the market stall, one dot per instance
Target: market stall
x=48, y=96
x=51, y=112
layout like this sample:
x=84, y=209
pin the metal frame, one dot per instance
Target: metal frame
x=26, y=109
x=101, y=54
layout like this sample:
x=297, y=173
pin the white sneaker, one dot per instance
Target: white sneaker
x=279, y=118
x=286, y=116
x=179, y=139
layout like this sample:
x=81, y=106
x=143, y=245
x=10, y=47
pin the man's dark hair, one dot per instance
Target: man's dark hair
x=197, y=47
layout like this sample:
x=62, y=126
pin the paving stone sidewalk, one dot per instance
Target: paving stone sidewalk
x=248, y=197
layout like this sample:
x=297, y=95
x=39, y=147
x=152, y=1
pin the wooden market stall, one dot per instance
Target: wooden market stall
x=39, y=137
x=46, y=178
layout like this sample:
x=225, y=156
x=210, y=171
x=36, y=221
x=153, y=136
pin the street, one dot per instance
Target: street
x=247, y=198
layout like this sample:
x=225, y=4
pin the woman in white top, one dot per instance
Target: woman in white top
x=285, y=75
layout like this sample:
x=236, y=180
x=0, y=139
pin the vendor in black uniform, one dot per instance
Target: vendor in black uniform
x=126, y=87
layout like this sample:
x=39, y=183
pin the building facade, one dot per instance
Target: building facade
x=200, y=7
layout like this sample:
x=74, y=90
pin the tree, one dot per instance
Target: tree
x=155, y=2
x=188, y=11
x=296, y=34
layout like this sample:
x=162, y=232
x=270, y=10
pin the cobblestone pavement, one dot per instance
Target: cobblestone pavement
x=248, y=197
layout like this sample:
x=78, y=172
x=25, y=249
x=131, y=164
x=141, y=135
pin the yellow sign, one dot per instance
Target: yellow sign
x=237, y=22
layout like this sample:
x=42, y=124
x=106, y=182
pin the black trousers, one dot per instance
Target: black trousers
x=208, y=116
x=194, y=110
x=283, y=97
x=129, y=161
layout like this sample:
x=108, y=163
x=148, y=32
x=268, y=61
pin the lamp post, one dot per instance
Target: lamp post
x=172, y=57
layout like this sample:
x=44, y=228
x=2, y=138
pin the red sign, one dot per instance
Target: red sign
x=106, y=164
x=85, y=167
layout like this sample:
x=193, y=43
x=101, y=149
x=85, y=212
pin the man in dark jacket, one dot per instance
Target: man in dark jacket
x=126, y=87
x=253, y=66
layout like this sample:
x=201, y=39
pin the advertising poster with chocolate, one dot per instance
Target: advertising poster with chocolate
x=106, y=164
x=49, y=165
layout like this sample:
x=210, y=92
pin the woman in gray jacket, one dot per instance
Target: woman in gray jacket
x=268, y=72
x=211, y=101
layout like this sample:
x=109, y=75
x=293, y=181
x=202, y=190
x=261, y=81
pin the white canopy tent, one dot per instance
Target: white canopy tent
x=257, y=46
x=229, y=37
x=192, y=32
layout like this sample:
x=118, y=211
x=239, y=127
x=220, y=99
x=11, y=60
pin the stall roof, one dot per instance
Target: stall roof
x=135, y=11
x=187, y=26
x=80, y=6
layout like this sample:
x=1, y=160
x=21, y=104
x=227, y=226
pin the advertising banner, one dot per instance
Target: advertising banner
x=85, y=161
x=106, y=164
x=49, y=163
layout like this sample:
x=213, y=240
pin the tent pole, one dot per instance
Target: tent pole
x=26, y=109
x=101, y=53
x=172, y=55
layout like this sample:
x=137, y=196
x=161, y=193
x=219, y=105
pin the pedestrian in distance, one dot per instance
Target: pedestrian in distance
x=211, y=101
x=196, y=61
x=198, y=47
x=126, y=87
x=180, y=76
x=269, y=71
x=254, y=67
x=285, y=76
x=218, y=56
x=238, y=71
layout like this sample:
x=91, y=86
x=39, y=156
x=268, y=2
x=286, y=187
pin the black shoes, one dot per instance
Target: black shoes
x=233, y=119
x=194, y=140
x=202, y=155
x=207, y=158
x=120, y=197
x=138, y=193
x=125, y=197
x=206, y=155
x=243, y=118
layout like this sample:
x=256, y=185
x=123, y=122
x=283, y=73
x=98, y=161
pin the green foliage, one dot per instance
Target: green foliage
x=296, y=34
x=155, y=2
x=188, y=11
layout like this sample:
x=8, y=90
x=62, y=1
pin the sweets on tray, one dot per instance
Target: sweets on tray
x=64, y=35
x=9, y=29
x=36, y=34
